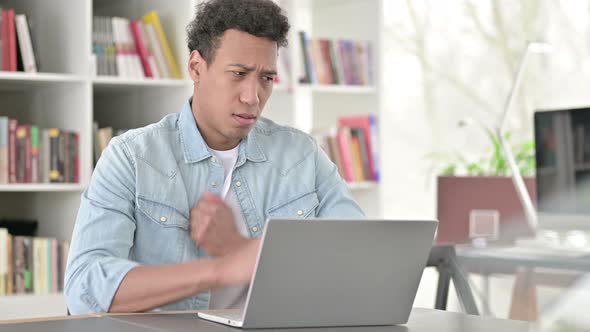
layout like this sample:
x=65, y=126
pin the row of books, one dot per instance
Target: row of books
x=102, y=137
x=29, y=154
x=352, y=146
x=16, y=46
x=345, y=62
x=31, y=264
x=132, y=48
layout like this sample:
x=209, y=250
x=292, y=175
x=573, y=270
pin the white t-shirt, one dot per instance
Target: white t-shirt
x=231, y=297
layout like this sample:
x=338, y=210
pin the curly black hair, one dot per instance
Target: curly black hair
x=261, y=18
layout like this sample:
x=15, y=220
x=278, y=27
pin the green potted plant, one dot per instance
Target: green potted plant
x=494, y=162
x=481, y=192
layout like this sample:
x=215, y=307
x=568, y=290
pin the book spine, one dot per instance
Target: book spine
x=75, y=154
x=150, y=50
x=336, y=71
x=19, y=265
x=343, y=137
x=34, y=154
x=152, y=18
x=62, y=156
x=3, y=260
x=22, y=151
x=28, y=255
x=345, y=62
x=9, y=266
x=326, y=62
x=2, y=48
x=54, y=271
x=374, y=148
x=28, y=155
x=158, y=52
x=4, y=150
x=12, y=150
x=24, y=38
x=60, y=263
x=11, y=40
x=67, y=167
x=357, y=164
x=318, y=65
x=38, y=266
x=54, y=170
x=45, y=154
x=364, y=155
x=306, y=59
x=122, y=67
x=141, y=48
x=64, y=259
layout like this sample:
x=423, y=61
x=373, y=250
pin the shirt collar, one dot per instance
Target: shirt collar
x=195, y=149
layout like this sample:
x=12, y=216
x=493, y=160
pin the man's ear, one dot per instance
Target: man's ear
x=196, y=65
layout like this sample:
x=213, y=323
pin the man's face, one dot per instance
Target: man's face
x=231, y=91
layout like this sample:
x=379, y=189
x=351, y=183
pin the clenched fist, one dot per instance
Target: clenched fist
x=213, y=227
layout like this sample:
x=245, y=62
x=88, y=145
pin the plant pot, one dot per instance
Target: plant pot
x=470, y=207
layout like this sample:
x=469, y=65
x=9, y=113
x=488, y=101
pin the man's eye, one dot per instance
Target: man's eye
x=268, y=78
x=239, y=73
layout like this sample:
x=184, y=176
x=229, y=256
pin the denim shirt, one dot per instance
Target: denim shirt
x=136, y=209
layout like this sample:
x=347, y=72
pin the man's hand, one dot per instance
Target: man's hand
x=213, y=227
x=237, y=268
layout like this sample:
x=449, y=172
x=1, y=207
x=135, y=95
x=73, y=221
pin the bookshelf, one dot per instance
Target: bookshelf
x=67, y=95
x=316, y=106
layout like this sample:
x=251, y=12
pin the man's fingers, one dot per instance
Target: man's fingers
x=210, y=197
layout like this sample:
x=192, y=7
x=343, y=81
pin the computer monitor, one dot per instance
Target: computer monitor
x=562, y=140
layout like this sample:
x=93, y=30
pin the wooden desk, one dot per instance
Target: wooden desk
x=421, y=320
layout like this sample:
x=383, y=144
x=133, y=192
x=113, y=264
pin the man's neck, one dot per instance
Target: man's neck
x=220, y=144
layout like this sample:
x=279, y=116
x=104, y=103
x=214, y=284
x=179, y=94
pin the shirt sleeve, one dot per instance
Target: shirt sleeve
x=335, y=198
x=103, y=234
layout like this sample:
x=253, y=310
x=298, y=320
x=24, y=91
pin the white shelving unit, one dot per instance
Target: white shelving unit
x=66, y=95
x=311, y=106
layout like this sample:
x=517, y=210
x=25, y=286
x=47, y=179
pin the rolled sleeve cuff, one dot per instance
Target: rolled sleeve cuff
x=98, y=285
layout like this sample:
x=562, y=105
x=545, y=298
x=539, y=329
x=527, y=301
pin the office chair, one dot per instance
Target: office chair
x=444, y=258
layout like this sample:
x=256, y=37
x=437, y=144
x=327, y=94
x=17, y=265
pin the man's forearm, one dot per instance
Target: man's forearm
x=148, y=287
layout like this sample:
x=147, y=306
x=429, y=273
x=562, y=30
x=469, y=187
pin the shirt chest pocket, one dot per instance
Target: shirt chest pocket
x=161, y=233
x=302, y=206
x=162, y=214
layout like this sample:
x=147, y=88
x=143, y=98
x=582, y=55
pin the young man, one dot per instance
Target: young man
x=173, y=213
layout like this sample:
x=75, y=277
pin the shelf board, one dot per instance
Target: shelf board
x=42, y=187
x=27, y=306
x=362, y=185
x=106, y=82
x=19, y=80
x=347, y=89
x=580, y=167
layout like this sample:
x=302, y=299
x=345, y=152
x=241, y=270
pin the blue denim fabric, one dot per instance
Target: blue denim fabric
x=136, y=208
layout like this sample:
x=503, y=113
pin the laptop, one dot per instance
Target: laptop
x=327, y=272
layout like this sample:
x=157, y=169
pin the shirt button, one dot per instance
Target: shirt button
x=300, y=212
x=163, y=219
x=214, y=184
x=213, y=159
x=254, y=229
x=238, y=183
